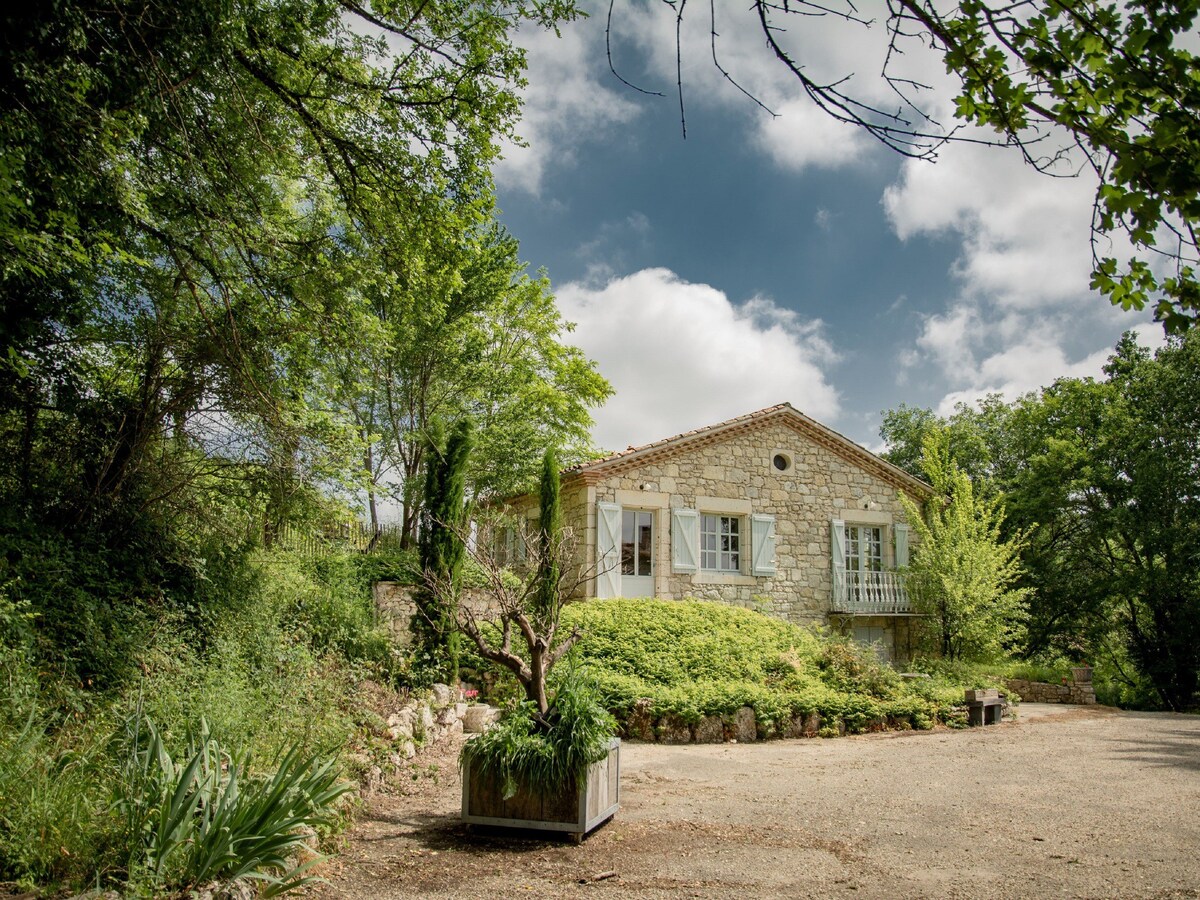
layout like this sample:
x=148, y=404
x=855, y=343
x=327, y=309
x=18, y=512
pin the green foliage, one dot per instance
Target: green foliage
x=963, y=573
x=694, y=659
x=1101, y=477
x=445, y=519
x=549, y=572
x=53, y=819
x=207, y=818
x=1115, y=77
x=466, y=333
x=548, y=751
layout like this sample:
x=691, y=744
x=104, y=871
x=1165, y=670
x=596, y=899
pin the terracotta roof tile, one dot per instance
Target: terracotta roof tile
x=630, y=450
x=798, y=420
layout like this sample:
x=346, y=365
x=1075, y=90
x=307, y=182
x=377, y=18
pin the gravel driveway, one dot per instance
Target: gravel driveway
x=1066, y=802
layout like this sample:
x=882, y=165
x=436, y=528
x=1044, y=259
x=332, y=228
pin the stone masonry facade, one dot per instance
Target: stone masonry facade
x=733, y=472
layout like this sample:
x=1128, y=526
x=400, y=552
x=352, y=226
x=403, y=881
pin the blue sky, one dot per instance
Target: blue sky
x=791, y=259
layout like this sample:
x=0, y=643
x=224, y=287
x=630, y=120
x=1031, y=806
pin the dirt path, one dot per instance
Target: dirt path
x=1083, y=802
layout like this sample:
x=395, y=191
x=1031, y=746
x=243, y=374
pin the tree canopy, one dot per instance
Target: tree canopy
x=964, y=575
x=200, y=207
x=1104, y=476
x=1072, y=84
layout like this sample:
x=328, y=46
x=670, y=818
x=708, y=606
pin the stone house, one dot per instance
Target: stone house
x=770, y=510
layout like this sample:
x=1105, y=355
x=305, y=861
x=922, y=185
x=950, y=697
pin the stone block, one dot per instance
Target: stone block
x=446, y=716
x=710, y=730
x=745, y=729
x=639, y=726
x=672, y=729
x=425, y=720
x=441, y=695
x=983, y=694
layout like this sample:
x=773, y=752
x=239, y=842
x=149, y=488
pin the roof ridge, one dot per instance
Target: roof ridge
x=816, y=431
x=631, y=450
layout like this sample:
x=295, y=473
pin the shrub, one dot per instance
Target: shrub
x=695, y=659
x=209, y=819
x=551, y=751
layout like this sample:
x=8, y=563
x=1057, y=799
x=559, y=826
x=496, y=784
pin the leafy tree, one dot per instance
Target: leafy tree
x=467, y=333
x=1127, y=485
x=1109, y=86
x=976, y=437
x=1101, y=478
x=442, y=550
x=963, y=573
x=193, y=203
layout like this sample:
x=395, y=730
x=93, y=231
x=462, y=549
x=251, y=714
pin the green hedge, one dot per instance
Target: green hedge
x=695, y=659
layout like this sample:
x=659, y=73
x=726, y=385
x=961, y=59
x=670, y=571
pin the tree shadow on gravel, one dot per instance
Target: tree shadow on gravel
x=431, y=831
x=1173, y=749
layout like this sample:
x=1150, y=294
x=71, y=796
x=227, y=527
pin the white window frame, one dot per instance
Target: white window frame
x=637, y=516
x=859, y=555
x=728, y=526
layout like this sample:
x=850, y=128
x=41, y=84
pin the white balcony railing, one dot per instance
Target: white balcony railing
x=870, y=593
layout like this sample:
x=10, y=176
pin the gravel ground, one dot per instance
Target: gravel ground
x=1066, y=802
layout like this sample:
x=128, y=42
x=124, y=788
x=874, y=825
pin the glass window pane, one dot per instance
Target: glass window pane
x=627, y=528
x=644, y=549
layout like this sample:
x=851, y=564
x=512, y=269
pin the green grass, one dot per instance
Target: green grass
x=283, y=678
x=694, y=659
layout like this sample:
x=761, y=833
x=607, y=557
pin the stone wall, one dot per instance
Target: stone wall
x=735, y=475
x=1080, y=692
x=740, y=727
x=422, y=722
x=395, y=607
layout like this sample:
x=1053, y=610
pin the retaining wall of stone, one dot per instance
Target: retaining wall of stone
x=1080, y=692
x=740, y=727
x=422, y=722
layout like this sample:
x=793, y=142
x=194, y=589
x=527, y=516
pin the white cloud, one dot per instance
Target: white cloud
x=828, y=49
x=1024, y=234
x=568, y=100
x=1024, y=314
x=683, y=356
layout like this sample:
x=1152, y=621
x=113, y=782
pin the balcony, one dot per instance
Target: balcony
x=870, y=594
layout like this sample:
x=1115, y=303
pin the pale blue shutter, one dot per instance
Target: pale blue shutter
x=762, y=544
x=837, y=550
x=901, y=536
x=608, y=550
x=685, y=541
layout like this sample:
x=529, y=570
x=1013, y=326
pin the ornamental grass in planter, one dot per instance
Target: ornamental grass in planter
x=557, y=772
x=552, y=761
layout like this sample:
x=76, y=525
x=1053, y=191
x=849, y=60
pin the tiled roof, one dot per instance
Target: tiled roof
x=813, y=429
x=631, y=450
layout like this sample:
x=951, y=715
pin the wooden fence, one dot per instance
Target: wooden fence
x=356, y=536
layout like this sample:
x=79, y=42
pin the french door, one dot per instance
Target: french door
x=637, y=553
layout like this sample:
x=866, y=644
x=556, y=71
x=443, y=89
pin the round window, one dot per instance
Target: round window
x=781, y=462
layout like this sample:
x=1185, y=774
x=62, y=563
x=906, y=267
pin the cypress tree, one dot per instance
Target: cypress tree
x=441, y=550
x=549, y=525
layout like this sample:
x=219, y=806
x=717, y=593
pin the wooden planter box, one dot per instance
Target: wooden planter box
x=576, y=809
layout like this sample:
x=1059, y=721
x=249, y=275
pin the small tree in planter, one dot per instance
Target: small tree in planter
x=551, y=761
